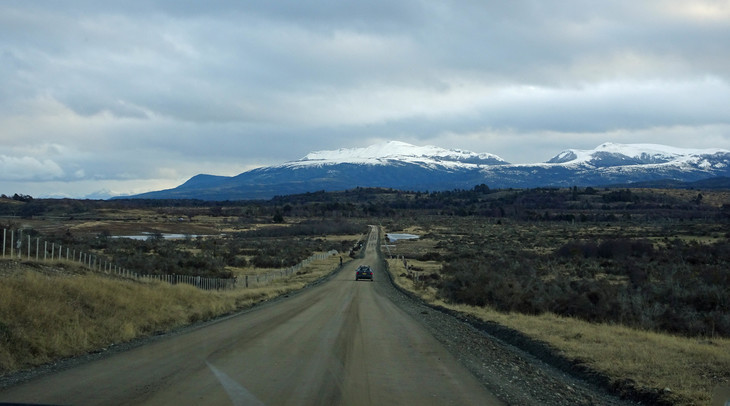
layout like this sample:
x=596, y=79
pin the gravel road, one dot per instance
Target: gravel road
x=340, y=342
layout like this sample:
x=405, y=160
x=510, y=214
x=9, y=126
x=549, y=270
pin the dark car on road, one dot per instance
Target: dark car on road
x=363, y=272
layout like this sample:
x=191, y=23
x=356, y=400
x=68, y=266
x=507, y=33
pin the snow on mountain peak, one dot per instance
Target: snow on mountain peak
x=606, y=155
x=613, y=154
x=378, y=151
x=398, y=151
x=637, y=150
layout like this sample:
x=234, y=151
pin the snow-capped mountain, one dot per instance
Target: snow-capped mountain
x=395, y=151
x=404, y=166
x=610, y=154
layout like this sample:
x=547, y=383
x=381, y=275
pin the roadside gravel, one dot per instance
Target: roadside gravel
x=514, y=375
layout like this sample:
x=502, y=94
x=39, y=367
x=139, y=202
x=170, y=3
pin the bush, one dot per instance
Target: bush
x=587, y=249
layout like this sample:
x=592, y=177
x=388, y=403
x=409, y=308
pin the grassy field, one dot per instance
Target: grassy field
x=53, y=310
x=683, y=370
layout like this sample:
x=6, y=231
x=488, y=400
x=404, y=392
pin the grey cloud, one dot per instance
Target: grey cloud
x=248, y=60
x=137, y=88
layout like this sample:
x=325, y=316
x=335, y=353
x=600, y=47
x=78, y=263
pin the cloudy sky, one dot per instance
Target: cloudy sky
x=99, y=99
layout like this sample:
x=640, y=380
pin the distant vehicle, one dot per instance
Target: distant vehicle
x=363, y=272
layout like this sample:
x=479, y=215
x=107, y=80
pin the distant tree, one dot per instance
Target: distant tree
x=481, y=188
x=278, y=217
x=22, y=198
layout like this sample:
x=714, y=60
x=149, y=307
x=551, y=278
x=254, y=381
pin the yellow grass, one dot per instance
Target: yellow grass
x=54, y=311
x=689, y=367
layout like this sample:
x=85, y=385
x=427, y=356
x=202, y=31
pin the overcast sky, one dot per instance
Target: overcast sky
x=142, y=95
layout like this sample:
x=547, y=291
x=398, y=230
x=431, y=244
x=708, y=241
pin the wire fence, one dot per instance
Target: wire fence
x=268, y=277
x=18, y=246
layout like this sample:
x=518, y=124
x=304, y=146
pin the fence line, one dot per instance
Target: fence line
x=96, y=263
x=265, y=278
x=416, y=276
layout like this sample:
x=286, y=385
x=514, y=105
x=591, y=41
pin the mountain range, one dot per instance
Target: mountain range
x=399, y=165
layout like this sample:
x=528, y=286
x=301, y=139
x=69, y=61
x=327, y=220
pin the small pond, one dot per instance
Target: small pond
x=167, y=236
x=392, y=237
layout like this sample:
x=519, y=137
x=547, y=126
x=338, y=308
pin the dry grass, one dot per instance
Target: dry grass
x=46, y=317
x=54, y=311
x=689, y=367
x=136, y=227
x=252, y=270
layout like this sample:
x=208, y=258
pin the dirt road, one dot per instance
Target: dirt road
x=342, y=342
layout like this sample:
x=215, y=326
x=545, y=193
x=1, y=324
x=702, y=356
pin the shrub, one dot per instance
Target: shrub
x=681, y=288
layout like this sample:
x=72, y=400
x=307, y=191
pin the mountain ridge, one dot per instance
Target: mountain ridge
x=399, y=165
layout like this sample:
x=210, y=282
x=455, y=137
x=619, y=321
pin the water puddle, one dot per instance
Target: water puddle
x=166, y=236
x=393, y=237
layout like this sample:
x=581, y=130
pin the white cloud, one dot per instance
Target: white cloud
x=717, y=11
x=28, y=168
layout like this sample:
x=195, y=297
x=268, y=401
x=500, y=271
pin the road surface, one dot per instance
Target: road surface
x=341, y=342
